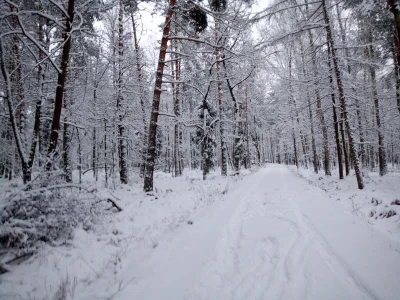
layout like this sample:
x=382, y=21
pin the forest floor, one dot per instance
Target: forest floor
x=273, y=233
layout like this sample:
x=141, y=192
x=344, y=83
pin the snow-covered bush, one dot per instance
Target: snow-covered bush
x=44, y=214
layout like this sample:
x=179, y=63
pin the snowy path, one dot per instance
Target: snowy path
x=272, y=237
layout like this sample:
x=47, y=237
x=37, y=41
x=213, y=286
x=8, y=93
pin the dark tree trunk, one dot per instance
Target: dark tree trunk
x=381, y=139
x=122, y=148
x=94, y=137
x=335, y=118
x=26, y=162
x=175, y=72
x=344, y=146
x=151, y=145
x=224, y=164
x=394, y=9
x=397, y=75
x=292, y=105
x=105, y=153
x=342, y=98
x=20, y=99
x=320, y=113
x=356, y=101
x=62, y=78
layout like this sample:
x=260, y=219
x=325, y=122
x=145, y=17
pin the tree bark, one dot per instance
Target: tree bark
x=26, y=162
x=122, y=148
x=151, y=145
x=105, y=153
x=62, y=78
x=342, y=97
x=67, y=133
x=175, y=68
x=356, y=101
x=335, y=118
x=224, y=165
x=20, y=99
x=238, y=136
x=292, y=105
x=381, y=139
x=142, y=96
x=397, y=75
x=394, y=9
x=320, y=113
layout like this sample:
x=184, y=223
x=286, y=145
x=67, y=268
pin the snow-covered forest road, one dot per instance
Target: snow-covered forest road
x=272, y=237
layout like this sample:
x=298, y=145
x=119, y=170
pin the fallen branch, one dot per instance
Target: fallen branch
x=114, y=204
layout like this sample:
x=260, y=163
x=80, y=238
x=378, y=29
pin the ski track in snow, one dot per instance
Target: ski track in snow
x=255, y=244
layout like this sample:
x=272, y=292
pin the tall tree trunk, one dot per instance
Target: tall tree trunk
x=335, y=118
x=175, y=72
x=13, y=121
x=342, y=98
x=354, y=90
x=67, y=133
x=122, y=148
x=344, y=146
x=278, y=152
x=94, y=139
x=20, y=99
x=62, y=78
x=224, y=164
x=142, y=96
x=381, y=139
x=394, y=9
x=79, y=156
x=320, y=113
x=247, y=129
x=105, y=153
x=237, y=147
x=292, y=105
x=151, y=145
x=26, y=162
x=397, y=75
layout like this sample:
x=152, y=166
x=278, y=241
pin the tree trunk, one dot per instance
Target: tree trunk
x=122, y=148
x=151, y=145
x=66, y=150
x=26, y=162
x=237, y=147
x=62, y=78
x=335, y=118
x=142, y=95
x=320, y=113
x=394, y=9
x=344, y=146
x=342, y=98
x=397, y=75
x=224, y=165
x=356, y=101
x=79, y=156
x=292, y=105
x=20, y=99
x=94, y=137
x=105, y=153
x=381, y=139
x=175, y=72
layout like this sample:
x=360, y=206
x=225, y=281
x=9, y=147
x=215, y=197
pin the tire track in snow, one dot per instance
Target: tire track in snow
x=256, y=244
x=272, y=272
x=335, y=263
x=225, y=266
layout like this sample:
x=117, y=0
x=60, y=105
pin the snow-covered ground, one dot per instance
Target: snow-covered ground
x=270, y=234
